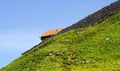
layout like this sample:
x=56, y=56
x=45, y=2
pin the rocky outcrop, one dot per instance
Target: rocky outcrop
x=95, y=17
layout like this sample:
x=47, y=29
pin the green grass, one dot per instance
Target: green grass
x=95, y=48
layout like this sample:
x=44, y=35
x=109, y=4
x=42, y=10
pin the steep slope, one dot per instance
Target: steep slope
x=95, y=48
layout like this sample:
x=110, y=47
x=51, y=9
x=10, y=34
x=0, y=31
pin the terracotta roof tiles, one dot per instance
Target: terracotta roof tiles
x=50, y=32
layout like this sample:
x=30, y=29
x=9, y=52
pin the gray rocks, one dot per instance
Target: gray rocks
x=95, y=17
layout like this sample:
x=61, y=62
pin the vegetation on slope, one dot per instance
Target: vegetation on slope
x=95, y=48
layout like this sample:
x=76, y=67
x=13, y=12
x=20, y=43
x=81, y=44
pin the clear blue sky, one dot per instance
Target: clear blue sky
x=23, y=21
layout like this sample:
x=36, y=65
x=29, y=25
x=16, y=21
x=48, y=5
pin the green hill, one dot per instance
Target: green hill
x=95, y=48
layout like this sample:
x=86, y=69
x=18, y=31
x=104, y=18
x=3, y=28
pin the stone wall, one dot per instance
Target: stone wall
x=95, y=17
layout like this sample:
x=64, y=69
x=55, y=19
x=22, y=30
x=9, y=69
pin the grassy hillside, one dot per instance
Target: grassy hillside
x=95, y=48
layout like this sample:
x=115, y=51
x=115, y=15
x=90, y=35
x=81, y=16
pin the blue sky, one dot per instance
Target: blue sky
x=23, y=21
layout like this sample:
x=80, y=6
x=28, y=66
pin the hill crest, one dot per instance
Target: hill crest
x=91, y=19
x=95, y=17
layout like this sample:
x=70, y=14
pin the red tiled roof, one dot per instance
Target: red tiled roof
x=50, y=32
